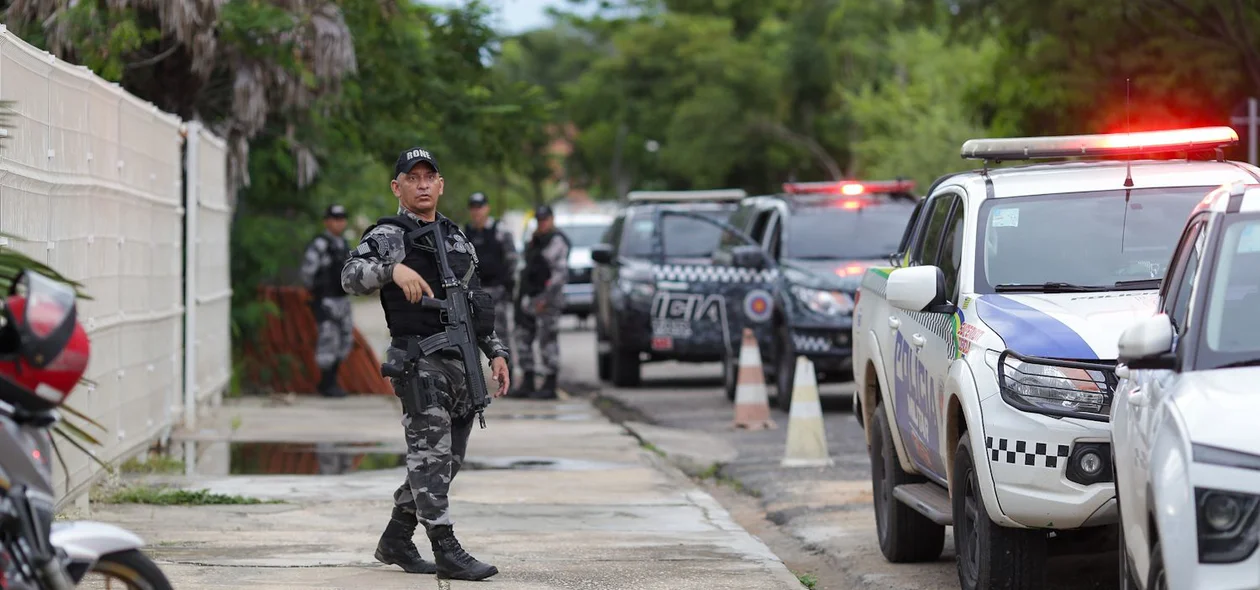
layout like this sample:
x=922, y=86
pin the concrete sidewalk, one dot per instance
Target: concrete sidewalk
x=552, y=493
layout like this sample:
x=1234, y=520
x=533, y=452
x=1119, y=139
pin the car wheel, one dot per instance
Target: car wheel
x=730, y=375
x=603, y=356
x=625, y=367
x=785, y=372
x=990, y=556
x=1157, y=578
x=905, y=536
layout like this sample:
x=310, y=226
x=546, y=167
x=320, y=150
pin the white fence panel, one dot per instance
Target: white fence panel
x=91, y=183
x=212, y=288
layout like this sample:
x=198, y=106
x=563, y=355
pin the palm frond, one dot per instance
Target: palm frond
x=70, y=440
x=83, y=416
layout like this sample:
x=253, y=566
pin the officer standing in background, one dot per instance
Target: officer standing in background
x=496, y=261
x=321, y=274
x=541, y=303
x=438, y=412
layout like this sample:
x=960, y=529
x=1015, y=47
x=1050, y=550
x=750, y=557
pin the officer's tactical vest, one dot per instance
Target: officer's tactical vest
x=537, y=269
x=491, y=263
x=409, y=319
x=328, y=277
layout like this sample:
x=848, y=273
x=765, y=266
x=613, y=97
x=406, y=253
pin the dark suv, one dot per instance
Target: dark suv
x=823, y=235
x=659, y=293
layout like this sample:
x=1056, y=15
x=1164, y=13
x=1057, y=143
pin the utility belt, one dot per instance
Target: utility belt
x=417, y=392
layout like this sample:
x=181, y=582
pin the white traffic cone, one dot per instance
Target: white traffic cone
x=752, y=405
x=806, y=441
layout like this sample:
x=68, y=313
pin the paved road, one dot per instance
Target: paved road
x=824, y=511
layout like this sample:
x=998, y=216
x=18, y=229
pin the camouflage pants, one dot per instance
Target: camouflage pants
x=336, y=331
x=543, y=327
x=502, y=314
x=437, y=419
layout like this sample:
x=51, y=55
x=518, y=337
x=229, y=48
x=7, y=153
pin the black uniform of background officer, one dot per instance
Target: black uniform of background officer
x=496, y=260
x=437, y=409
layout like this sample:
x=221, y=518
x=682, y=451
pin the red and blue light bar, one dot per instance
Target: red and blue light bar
x=1194, y=139
x=850, y=188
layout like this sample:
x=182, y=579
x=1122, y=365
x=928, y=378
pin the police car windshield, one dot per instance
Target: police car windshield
x=682, y=237
x=1232, y=329
x=583, y=236
x=872, y=229
x=1090, y=240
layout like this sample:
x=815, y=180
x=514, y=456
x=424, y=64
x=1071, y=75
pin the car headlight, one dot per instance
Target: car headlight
x=828, y=303
x=1071, y=389
x=1226, y=525
x=636, y=286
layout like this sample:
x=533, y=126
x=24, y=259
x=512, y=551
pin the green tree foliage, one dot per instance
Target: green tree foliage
x=912, y=120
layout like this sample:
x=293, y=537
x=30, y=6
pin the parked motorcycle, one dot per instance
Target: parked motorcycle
x=43, y=354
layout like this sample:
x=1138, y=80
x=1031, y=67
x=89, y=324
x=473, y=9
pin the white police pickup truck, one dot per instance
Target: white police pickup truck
x=1187, y=457
x=985, y=355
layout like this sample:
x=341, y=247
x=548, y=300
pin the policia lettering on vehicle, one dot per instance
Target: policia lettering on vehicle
x=321, y=274
x=398, y=256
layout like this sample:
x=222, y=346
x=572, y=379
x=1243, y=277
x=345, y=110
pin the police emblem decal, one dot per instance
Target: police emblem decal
x=757, y=305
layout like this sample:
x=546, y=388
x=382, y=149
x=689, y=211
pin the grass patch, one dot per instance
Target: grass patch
x=807, y=580
x=651, y=447
x=714, y=473
x=154, y=464
x=163, y=496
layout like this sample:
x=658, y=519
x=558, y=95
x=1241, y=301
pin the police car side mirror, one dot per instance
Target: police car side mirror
x=748, y=257
x=601, y=253
x=919, y=289
x=1147, y=344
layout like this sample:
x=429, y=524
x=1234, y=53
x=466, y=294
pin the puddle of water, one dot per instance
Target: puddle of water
x=555, y=417
x=293, y=458
x=535, y=464
x=267, y=458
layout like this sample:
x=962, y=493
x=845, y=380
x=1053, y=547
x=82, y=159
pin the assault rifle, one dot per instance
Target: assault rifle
x=455, y=311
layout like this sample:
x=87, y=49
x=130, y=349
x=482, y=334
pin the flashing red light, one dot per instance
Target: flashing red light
x=850, y=188
x=850, y=204
x=850, y=270
x=1103, y=144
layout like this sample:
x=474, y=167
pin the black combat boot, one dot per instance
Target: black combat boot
x=452, y=561
x=396, y=547
x=328, y=382
x=527, y=386
x=548, y=390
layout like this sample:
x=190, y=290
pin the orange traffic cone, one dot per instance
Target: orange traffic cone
x=752, y=406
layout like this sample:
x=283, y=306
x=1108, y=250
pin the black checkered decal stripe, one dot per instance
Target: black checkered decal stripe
x=1028, y=453
x=713, y=274
x=874, y=282
x=810, y=343
x=940, y=325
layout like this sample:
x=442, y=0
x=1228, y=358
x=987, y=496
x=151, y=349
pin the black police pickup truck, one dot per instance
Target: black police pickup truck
x=823, y=236
x=660, y=295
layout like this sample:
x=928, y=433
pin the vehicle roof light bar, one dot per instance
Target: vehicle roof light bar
x=848, y=187
x=731, y=194
x=1104, y=144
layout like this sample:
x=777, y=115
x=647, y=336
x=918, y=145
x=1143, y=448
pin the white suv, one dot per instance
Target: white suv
x=985, y=356
x=1187, y=457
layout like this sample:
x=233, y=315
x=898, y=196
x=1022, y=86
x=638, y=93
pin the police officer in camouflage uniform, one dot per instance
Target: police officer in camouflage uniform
x=497, y=260
x=541, y=303
x=437, y=409
x=321, y=273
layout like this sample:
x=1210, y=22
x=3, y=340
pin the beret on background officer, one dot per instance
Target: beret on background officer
x=438, y=411
x=321, y=275
x=541, y=303
x=496, y=261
